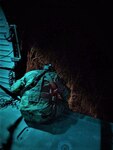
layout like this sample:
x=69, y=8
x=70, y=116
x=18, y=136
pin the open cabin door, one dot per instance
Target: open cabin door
x=73, y=131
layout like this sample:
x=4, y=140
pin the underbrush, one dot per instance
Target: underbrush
x=81, y=100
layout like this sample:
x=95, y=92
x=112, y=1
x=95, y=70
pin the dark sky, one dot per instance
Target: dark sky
x=80, y=30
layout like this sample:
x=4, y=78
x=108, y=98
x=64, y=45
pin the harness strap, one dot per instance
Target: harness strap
x=54, y=88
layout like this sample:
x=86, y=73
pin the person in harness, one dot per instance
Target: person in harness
x=43, y=95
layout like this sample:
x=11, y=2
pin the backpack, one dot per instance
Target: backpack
x=50, y=88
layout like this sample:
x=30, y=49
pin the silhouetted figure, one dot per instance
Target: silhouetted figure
x=43, y=95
